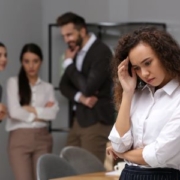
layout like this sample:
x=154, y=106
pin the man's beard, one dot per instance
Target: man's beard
x=78, y=42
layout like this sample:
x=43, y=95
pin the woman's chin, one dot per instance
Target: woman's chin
x=32, y=75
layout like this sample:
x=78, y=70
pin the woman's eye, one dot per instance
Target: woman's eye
x=36, y=61
x=26, y=61
x=147, y=63
x=136, y=68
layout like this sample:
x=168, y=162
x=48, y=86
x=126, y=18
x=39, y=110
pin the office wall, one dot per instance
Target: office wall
x=118, y=10
x=158, y=11
x=20, y=22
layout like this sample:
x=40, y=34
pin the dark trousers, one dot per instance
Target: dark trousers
x=92, y=138
x=138, y=173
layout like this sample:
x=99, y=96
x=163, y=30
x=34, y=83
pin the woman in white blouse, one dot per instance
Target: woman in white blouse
x=146, y=134
x=31, y=105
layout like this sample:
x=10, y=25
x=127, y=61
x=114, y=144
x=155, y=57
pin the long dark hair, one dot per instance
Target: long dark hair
x=23, y=82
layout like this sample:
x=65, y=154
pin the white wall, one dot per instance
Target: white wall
x=20, y=22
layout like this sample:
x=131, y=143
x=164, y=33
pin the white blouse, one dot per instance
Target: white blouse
x=42, y=92
x=155, y=126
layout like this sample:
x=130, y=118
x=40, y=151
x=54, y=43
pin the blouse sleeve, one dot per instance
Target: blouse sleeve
x=15, y=109
x=165, y=150
x=48, y=113
x=120, y=144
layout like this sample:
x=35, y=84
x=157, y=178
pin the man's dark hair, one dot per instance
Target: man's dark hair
x=70, y=17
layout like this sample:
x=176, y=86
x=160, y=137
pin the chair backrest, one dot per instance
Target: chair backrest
x=52, y=166
x=82, y=160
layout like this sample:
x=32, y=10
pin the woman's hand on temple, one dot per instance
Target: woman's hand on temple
x=128, y=82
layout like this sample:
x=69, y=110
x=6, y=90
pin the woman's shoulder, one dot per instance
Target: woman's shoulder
x=47, y=84
x=12, y=82
x=12, y=79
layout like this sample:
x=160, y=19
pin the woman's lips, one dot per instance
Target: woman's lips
x=150, y=80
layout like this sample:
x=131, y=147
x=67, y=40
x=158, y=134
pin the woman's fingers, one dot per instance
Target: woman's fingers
x=126, y=76
x=49, y=104
x=110, y=151
x=123, y=66
x=123, y=71
x=124, y=62
x=3, y=111
x=2, y=115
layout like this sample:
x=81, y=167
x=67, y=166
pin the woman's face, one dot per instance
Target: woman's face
x=31, y=64
x=3, y=58
x=147, y=66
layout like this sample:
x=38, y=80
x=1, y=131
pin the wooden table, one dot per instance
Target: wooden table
x=92, y=176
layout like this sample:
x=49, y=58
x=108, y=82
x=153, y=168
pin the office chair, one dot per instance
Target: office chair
x=81, y=160
x=52, y=166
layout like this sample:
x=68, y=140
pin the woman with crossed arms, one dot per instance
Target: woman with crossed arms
x=146, y=133
x=31, y=105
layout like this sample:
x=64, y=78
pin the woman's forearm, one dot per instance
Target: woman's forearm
x=30, y=109
x=123, y=119
x=134, y=156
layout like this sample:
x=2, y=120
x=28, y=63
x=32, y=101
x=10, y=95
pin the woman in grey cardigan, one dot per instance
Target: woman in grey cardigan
x=3, y=62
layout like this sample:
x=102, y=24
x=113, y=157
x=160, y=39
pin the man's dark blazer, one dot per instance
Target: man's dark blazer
x=94, y=79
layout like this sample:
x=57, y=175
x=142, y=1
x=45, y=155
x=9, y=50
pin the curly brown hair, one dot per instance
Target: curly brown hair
x=161, y=42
